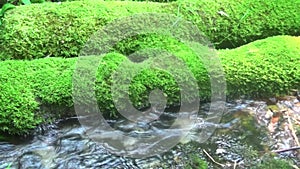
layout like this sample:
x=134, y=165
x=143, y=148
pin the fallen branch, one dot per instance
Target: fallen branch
x=287, y=149
x=213, y=160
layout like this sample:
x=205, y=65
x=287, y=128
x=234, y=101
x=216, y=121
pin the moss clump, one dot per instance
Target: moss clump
x=263, y=68
x=196, y=162
x=62, y=29
x=26, y=87
x=51, y=29
x=32, y=91
x=271, y=163
x=17, y=108
x=230, y=23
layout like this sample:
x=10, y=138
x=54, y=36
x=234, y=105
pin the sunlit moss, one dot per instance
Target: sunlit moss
x=61, y=30
x=32, y=89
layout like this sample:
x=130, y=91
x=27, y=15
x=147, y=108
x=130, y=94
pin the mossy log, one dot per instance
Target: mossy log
x=36, y=91
x=61, y=29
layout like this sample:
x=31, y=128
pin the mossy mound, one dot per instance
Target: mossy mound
x=263, y=68
x=28, y=87
x=36, y=91
x=230, y=24
x=52, y=29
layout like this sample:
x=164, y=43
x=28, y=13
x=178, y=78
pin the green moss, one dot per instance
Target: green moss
x=62, y=29
x=263, y=68
x=164, y=1
x=196, y=162
x=272, y=163
x=230, y=23
x=39, y=90
x=25, y=86
x=144, y=78
x=52, y=29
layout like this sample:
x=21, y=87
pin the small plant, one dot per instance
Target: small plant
x=196, y=162
x=8, y=166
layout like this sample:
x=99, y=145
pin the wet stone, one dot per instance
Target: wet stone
x=68, y=145
x=30, y=161
x=70, y=164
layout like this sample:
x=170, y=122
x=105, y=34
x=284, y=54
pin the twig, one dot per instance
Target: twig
x=295, y=167
x=212, y=159
x=234, y=166
x=293, y=131
x=287, y=149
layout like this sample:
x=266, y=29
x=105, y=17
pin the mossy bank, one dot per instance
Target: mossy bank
x=36, y=91
x=61, y=29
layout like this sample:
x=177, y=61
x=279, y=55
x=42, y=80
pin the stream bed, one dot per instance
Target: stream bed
x=246, y=133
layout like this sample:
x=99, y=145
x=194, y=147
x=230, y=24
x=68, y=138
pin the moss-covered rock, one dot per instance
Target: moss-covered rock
x=32, y=91
x=263, y=68
x=53, y=29
x=229, y=23
x=28, y=87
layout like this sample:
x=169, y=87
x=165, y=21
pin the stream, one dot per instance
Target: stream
x=239, y=140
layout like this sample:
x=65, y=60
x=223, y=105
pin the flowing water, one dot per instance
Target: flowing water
x=238, y=140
